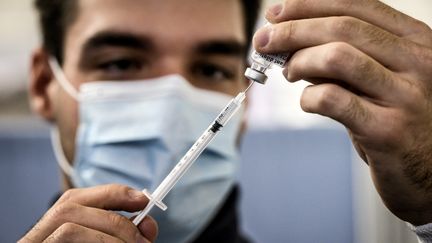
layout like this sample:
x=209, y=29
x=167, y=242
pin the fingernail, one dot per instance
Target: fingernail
x=275, y=10
x=285, y=74
x=135, y=194
x=140, y=238
x=288, y=75
x=262, y=37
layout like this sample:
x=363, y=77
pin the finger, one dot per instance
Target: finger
x=327, y=80
x=149, y=228
x=340, y=61
x=112, y=197
x=339, y=104
x=108, y=222
x=388, y=49
x=371, y=11
x=76, y=233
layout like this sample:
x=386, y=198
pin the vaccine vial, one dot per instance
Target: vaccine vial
x=261, y=63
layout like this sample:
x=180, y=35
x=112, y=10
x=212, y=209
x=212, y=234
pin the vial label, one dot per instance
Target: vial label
x=277, y=59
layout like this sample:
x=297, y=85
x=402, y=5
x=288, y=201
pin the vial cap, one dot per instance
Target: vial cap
x=255, y=76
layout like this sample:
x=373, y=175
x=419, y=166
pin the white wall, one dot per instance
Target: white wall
x=18, y=37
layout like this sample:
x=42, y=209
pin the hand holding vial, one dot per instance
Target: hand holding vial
x=371, y=70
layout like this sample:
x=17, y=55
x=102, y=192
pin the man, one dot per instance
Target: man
x=157, y=58
x=370, y=72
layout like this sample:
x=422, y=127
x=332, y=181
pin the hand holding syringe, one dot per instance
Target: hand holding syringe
x=189, y=158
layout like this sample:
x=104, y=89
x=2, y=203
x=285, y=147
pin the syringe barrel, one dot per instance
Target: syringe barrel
x=183, y=165
x=186, y=162
x=198, y=147
x=231, y=109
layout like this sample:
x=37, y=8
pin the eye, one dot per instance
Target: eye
x=213, y=72
x=121, y=67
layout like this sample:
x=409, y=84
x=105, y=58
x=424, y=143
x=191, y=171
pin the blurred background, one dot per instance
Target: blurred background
x=290, y=194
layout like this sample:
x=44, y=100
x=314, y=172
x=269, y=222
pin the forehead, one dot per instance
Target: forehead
x=171, y=23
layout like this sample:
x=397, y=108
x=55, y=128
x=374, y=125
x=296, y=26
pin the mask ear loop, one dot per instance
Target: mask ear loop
x=61, y=78
x=59, y=152
x=55, y=136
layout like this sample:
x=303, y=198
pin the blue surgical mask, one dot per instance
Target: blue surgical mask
x=134, y=132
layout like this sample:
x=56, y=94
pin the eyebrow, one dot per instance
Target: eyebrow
x=223, y=47
x=128, y=40
x=116, y=39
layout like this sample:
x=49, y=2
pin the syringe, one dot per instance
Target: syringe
x=189, y=158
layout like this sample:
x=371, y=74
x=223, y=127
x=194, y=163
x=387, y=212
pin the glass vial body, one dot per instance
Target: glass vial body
x=262, y=62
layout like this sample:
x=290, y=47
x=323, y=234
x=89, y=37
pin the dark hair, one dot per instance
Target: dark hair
x=55, y=16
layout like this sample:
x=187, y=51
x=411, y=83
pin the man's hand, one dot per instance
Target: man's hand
x=371, y=69
x=82, y=215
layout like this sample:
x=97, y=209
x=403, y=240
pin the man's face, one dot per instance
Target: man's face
x=138, y=39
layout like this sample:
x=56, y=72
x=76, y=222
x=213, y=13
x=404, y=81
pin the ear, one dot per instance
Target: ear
x=41, y=80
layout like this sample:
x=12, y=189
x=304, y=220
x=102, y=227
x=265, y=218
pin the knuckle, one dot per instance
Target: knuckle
x=346, y=4
x=66, y=233
x=344, y=27
x=116, y=188
x=62, y=211
x=415, y=96
x=364, y=67
x=113, y=192
x=108, y=189
x=285, y=31
x=68, y=195
x=52, y=238
x=422, y=59
x=325, y=97
x=421, y=27
x=117, y=221
x=354, y=111
x=336, y=56
x=296, y=65
x=69, y=229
